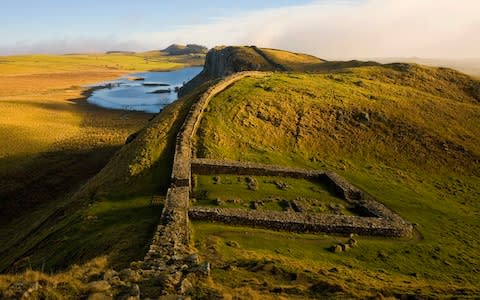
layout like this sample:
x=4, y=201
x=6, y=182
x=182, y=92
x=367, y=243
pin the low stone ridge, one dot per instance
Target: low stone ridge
x=301, y=222
x=269, y=59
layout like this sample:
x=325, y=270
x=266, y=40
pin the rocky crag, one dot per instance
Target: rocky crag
x=225, y=61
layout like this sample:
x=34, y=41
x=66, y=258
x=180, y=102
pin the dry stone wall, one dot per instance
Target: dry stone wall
x=209, y=166
x=301, y=222
x=174, y=229
x=342, y=187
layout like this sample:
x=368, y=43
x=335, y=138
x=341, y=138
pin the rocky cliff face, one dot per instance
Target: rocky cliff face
x=224, y=61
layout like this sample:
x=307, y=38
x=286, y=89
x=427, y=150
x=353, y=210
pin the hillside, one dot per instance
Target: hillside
x=404, y=134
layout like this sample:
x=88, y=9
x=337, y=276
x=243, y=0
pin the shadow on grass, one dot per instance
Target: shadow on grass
x=123, y=234
x=27, y=182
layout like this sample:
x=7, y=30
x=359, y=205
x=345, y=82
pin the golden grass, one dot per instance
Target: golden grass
x=38, y=111
x=41, y=106
x=293, y=61
x=65, y=285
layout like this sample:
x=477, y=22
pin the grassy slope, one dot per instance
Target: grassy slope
x=292, y=61
x=52, y=142
x=418, y=153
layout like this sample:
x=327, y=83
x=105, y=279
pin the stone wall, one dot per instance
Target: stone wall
x=174, y=229
x=181, y=171
x=342, y=187
x=210, y=166
x=300, y=222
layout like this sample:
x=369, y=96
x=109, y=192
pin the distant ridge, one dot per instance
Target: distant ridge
x=176, y=49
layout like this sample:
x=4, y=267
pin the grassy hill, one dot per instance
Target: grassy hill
x=404, y=133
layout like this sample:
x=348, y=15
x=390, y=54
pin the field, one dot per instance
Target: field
x=52, y=141
x=406, y=136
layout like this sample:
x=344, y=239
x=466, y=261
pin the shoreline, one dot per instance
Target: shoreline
x=87, y=92
x=90, y=89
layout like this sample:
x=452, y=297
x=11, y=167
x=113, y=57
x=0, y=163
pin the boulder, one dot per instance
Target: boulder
x=337, y=249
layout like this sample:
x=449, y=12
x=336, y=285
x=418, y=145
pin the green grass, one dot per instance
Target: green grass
x=234, y=192
x=264, y=260
x=405, y=134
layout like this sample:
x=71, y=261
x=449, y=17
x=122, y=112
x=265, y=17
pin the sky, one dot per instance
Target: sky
x=331, y=29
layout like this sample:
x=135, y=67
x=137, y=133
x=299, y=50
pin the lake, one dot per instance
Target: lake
x=148, y=91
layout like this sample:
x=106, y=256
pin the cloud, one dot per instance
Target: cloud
x=346, y=29
x=70, y=45
x=328, y=29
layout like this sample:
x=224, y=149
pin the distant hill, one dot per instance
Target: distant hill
x=120, y=52
x=469, y=66
x=177, y=49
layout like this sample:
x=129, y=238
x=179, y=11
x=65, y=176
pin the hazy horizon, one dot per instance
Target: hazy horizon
x=335, y=29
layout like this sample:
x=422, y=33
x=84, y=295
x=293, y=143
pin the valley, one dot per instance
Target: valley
x=401, y=137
